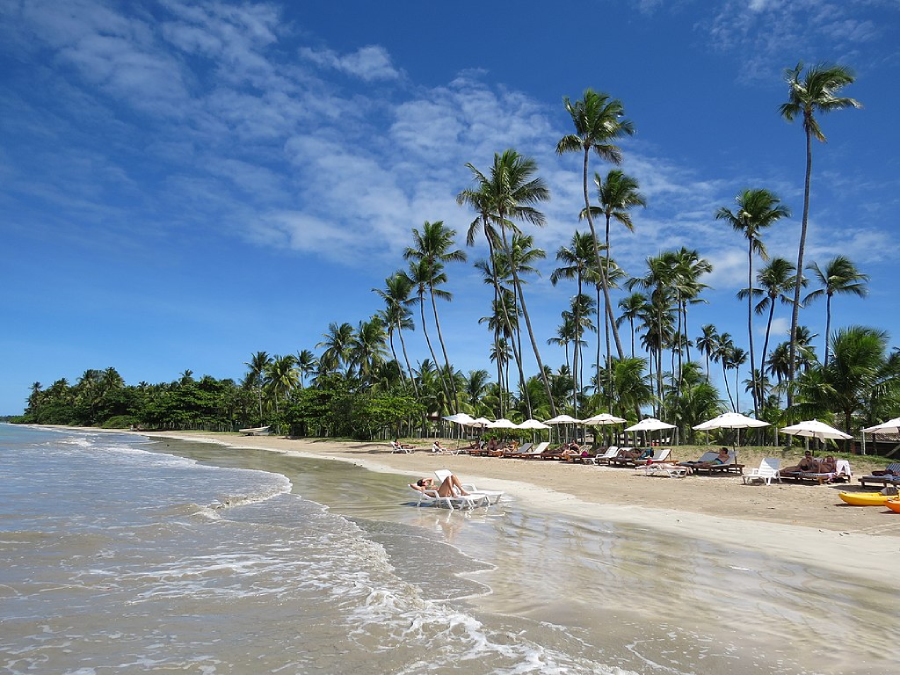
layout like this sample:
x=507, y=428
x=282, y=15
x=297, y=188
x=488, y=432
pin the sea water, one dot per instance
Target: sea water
x=120, y=553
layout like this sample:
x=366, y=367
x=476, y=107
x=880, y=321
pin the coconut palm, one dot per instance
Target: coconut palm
x=839, y=276
x=258, y=365
x=397, y=315
x=337, y=347
x=510, y=192
x=599, y=121
x=617, y=194
x=367, y=349
x=776, y=280
x=420, y=275
x=434, y=245
x=281, y=376
x=631, y=306
x=306, y=365
x=813, y=92
x=756, y=210
x=707, y=343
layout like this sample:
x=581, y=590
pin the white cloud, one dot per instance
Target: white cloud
x=369, y=63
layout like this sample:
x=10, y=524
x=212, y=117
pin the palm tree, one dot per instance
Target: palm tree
x=599, y=121
x=815, y=92
x=258, y=365
x=756, y=210
x=306, y=364
x=775, y=279
x=576, y=261
x=281, y=376
x=397, y=315
x=367, y=349
x=337, y=346
x=433, y=245
x=631, y=306
x=723, y=354
x=482, y=200
x=707, y=343
x=420, y=276
x=839, y=276
x=617, y=194
x=510, y=193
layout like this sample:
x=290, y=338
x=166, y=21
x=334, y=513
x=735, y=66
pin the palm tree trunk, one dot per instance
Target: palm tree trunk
x=750, y=329
x=827, y=328
x=728, y=388
x=762, y=363
x=521, y=296
x=406, y=358
x=437, y=323
x=430, y=348
x=795, y=313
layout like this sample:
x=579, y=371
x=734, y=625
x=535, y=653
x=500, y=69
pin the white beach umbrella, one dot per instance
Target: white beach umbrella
x=731, y=420
x=502, y=423
x=889, y=427
x=532, y=424
x=480, y=422
x=650, y=424
x=603, y=419
x=461, y=418
x=562, y=419
x=814, y=429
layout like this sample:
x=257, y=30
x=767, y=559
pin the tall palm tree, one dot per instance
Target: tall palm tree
x=599, y=121
x=281, y=376
x=839, y=276
x=617, y=194
x=511, y=191
x=631, y=306
x=723, y=354
x=420, y=275
x=707, y=343
x=367, y=349
x=481, y=199
x=337, y=347
x=776, y=280
x=397, y=315
x=756, y=210
x=434, y=246
x=808, y=94
x=576, y=259
x=258, y=365
x=306, y=365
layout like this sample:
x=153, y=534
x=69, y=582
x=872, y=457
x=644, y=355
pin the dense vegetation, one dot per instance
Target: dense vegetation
x=358, y=384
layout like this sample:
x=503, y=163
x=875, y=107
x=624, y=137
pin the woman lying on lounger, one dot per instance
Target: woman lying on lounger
x=808, y=464
x=445, y=489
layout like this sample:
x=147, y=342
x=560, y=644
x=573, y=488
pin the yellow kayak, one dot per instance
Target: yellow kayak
x=866, y=498
x=893, y=504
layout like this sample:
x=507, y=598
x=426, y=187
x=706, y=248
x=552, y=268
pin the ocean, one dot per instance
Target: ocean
x=123, y=554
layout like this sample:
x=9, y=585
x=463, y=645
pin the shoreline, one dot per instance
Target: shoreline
x=802, y=523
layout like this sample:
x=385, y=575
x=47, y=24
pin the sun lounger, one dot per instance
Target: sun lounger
x=461, y=502
x=493, y=496
x=399, y=447
x=610, y=452
x=535, y=451
x=886, y=479
x=625, y=461
x=667, y=469
x=702, y=465
x=659, y=455
x=518, y=451
x=765, y=473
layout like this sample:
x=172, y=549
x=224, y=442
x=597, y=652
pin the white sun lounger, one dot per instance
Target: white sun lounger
x=766, y=472
x=492, y=495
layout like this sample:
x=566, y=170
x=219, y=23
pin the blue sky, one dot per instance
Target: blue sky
x=183, y=184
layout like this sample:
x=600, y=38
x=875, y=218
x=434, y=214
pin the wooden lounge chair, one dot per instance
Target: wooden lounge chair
x=731, y=466
x=525, y=447
x=625, y=461
x=534, y=451
x=886, y=479
x=659, y=455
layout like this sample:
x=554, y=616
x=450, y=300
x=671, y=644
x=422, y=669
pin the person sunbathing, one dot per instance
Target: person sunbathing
x=635, y=453
x=808, y=464
x=571, y=451
x=450, y=487
x=437, y=447
x=827, y=465
x=722, y=458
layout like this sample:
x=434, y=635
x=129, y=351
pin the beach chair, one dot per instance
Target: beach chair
x=525, y=447
x=667, y=469
x=455, y=503
x=625, y=461
x=610, y=452
x=765, y=473
x=891, y=476
x=493, y=496
x=659, y=455
x=399, y=447
x=534, y=451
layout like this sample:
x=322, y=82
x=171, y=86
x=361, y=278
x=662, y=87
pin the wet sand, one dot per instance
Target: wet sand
x=800, y=523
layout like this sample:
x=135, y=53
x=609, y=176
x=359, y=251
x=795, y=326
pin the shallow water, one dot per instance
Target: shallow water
x=122, y=554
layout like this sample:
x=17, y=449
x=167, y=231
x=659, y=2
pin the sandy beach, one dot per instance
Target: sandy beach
x=793, y=521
